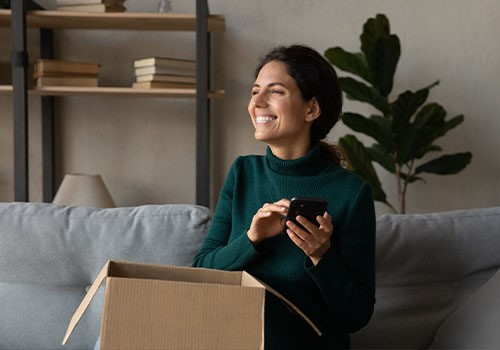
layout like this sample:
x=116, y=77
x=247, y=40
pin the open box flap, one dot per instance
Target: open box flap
x=86, y=301
x=141, y=270
x=249, y=280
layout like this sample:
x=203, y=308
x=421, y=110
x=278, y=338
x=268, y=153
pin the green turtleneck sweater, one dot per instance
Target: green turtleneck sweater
x=338, y=294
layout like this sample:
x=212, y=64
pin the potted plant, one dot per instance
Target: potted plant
x=404, y=129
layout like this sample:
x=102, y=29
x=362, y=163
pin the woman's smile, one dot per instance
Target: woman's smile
x=265, y=119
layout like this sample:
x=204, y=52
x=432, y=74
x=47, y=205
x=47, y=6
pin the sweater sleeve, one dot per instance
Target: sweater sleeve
x=218, y=250
x=346, y=274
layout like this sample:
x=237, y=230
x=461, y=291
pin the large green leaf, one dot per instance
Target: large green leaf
x=370, y=126
x=404, y=140
x=429, y=125
x=414, y=140
x=426, y=149
x=432, y=114
x=383, y=63
x=360, y=161
x=414, y=143
x=361, y=92
x=406, y=105
x=380, y=155
x=452, y=123
x=386, y=138
x=382, y=51
x=354, y=63
x=373, y=30
x=446, y=165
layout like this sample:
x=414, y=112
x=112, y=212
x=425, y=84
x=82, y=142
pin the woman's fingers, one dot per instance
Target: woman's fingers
x=280, y=207
x=268, y=220
x=325, y=222
x=313, y=240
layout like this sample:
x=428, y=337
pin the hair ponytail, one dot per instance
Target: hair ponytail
x=332, y=153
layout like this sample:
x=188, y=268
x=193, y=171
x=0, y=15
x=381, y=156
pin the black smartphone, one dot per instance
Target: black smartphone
x=306, y=207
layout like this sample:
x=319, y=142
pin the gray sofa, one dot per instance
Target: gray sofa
x=437, y=274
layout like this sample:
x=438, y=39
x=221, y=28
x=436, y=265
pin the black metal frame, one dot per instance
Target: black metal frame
x=48, y=123
x=202, y=104
x=20, y=65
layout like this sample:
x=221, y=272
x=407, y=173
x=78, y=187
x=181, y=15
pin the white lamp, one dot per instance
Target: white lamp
x=83, y=190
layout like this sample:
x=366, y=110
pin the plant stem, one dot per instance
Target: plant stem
x=402, y=200
x=400, y=196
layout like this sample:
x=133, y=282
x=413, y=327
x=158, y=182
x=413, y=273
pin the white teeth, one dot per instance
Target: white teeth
x=264, y=119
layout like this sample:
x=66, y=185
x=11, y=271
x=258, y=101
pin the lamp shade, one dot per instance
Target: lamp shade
x=83, y=190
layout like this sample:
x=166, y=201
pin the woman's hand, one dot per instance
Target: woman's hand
x=268, y=221
x=314, y=241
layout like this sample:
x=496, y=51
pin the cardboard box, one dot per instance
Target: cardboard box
x=167, y=307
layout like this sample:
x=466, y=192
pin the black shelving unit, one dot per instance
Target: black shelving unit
x=20, y=64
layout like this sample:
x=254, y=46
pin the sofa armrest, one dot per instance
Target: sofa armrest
x=475, y=324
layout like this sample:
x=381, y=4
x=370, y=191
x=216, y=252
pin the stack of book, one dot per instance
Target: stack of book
x=65, y=73
x=91, y=5
x=164, y=73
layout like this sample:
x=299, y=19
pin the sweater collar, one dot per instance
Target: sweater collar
x=309, y=164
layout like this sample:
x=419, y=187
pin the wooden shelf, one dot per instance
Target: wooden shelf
x=115, y=20
x=119, y=91
x=76, y=90
x=5, y=88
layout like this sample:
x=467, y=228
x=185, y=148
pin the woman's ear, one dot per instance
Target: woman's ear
x=314, y=111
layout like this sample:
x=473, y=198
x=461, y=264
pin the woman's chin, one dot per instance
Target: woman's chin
x=261, y=137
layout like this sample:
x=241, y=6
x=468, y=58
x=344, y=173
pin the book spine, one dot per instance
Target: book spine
x=165, y=62
x=43, y=67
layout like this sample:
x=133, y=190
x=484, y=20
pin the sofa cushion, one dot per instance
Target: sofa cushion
x=49, y=254
x=475, y=324
x=45, y=243
x=427, y=266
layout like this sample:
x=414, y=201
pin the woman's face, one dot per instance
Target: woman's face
x=279, y=114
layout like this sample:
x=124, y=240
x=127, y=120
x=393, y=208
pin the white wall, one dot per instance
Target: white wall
x=144, y=147
x=453, y=41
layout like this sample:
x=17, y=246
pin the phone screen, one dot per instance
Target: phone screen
x=306, y=207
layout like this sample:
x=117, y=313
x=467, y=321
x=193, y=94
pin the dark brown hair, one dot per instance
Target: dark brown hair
x=315, y=77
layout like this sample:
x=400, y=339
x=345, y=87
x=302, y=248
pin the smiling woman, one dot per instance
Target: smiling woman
x=317, y=82
x=282, y=118
x=326, y=270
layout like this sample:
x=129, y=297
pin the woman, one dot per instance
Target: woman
x=327, y=271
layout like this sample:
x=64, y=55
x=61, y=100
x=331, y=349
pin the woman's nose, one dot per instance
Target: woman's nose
x=259, y=100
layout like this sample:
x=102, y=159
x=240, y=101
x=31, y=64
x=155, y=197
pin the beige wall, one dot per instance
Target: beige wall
x=144, y=147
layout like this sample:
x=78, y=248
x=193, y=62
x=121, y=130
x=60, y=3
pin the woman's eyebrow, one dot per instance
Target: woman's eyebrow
x=271, y=84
